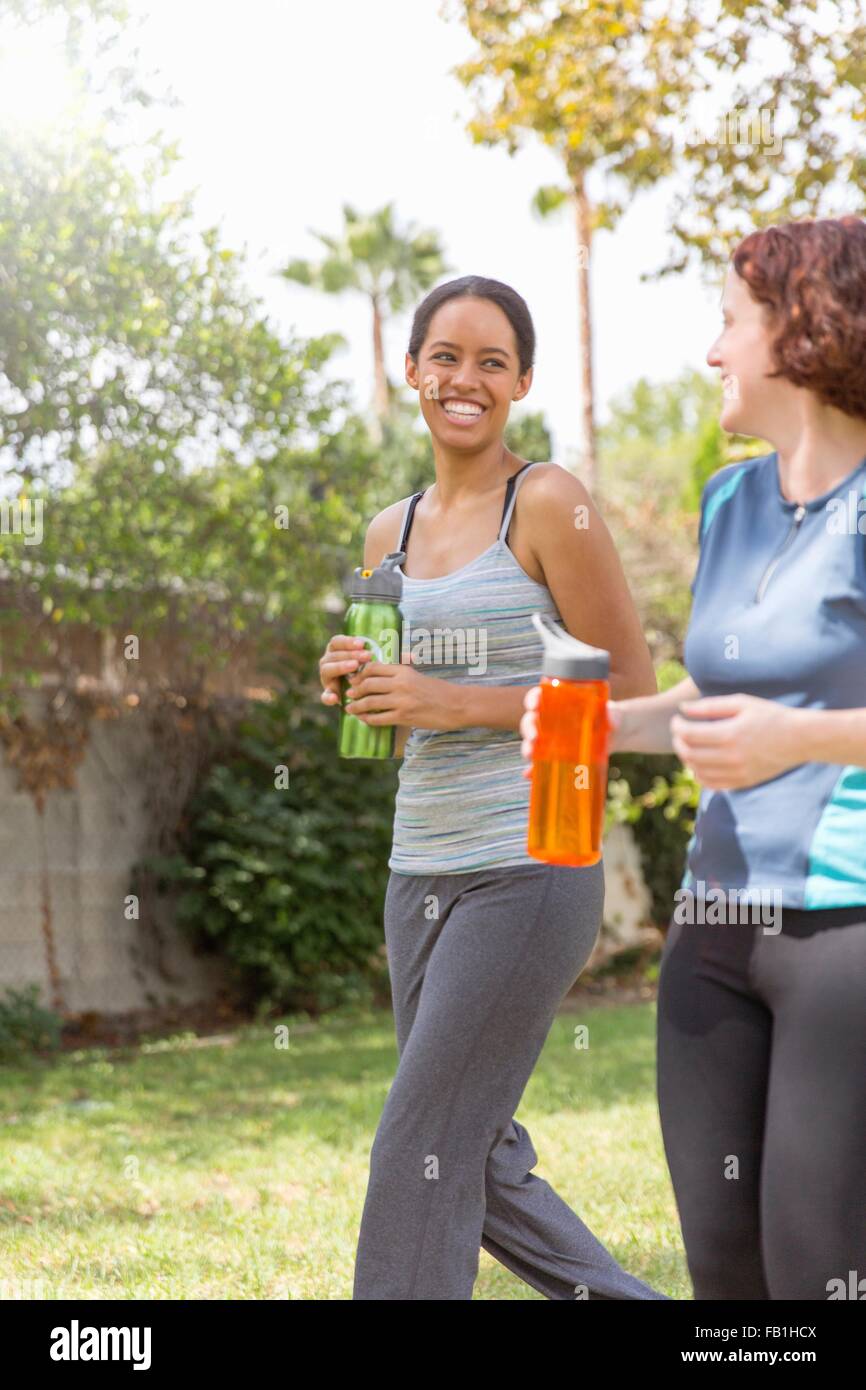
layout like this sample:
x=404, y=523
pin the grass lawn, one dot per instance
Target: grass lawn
x=237, y=1169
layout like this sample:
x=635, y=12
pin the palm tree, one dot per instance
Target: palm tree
x=388, y=265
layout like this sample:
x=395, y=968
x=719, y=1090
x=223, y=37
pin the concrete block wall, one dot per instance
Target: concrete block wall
x=74, y=863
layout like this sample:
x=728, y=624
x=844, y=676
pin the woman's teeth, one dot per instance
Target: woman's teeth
x=462, y=411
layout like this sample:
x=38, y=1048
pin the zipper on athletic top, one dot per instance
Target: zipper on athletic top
x=765, y=577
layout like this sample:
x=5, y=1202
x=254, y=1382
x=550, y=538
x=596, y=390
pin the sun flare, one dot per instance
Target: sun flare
x=37, y=84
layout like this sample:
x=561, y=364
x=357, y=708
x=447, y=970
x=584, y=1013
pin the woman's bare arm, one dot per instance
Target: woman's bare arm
x=645, y=722
x=575, y=550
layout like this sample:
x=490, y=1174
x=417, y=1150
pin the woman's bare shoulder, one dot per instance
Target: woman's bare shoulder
x=383, y=532
x=551, y=482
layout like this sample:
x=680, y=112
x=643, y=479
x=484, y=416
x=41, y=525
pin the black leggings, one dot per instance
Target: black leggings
x=762, y=1099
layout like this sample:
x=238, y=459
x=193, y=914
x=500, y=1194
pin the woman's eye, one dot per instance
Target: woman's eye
x=438, y=355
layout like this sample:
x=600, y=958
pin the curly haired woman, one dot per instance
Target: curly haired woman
x=762, y=1021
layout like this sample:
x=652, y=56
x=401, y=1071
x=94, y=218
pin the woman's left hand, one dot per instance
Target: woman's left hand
x=387, y=693
x=735, y=741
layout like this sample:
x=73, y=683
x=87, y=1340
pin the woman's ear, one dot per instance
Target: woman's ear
x=411, y=368
x=523, y=384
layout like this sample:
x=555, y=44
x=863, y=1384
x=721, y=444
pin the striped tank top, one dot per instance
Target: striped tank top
x=462, y=801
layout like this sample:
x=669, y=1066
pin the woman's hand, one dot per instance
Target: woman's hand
x=342, y=655
x=735, y=741
x=618, y=723
x=625, y=725
x=388, y=693
x=529, y=726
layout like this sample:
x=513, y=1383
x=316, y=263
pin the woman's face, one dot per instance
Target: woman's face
x=752, y=402
x=468, y=373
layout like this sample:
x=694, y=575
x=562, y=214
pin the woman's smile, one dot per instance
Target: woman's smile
x=462, y=412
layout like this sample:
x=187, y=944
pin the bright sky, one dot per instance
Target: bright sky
x=291, y=108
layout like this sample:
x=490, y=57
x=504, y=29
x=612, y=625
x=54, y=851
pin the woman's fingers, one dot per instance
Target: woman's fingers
x=527, y=749
x=333, y=670
x=343, y=655
x=529, y=727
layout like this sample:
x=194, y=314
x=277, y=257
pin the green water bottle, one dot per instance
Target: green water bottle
x=374, y=614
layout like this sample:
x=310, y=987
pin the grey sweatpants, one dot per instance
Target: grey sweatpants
x=479, y=963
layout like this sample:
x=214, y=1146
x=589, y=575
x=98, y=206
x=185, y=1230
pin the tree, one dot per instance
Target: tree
x=648, y=442
x=181, y=448
x=611, y=87
x=788, y=141
x=388, y=266
x=596, y=83
x=98, y=41
x=528, y=436
x=664, y=438
x=709, y=456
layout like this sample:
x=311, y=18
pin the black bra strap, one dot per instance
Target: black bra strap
x=509, y=489
x=416, y=498
x=407, y=524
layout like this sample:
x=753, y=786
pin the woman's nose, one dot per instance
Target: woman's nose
x=464, y=377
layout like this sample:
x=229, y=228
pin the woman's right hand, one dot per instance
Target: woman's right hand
x=529, y=726
x=342, y=656
x=619, y=722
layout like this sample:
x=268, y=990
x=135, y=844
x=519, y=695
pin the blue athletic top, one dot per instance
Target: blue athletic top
x=780, y=612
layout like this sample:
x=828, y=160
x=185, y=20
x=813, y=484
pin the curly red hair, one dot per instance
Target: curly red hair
x=812, y=277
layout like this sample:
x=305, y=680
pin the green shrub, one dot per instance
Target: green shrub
x=288, y=883
x=656, y=796
x=25, y=1026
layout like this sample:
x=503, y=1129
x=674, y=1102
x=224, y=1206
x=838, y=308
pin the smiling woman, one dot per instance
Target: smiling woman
x=483, y=940
x=761, y=1024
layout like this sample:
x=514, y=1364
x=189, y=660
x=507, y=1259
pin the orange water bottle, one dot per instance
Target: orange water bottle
x=570, y=752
